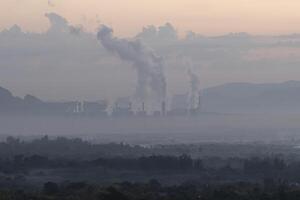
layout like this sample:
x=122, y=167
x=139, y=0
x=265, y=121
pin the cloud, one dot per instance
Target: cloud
x=50, y=3
x=165, y=33
x=57, y=65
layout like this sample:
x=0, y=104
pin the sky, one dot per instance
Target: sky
x=58, y=56
x=210, y=17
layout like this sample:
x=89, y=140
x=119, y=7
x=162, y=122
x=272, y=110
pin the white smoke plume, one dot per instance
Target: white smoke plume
x=50, y=3
x=58, y=24
x=194, y=86
x=75, y=30
x=149, y=66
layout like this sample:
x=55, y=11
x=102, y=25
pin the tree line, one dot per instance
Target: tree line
x=153, y=190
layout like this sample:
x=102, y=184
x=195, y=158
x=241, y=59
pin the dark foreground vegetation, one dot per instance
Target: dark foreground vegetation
x=76, y=148
x=153, y=190
x=64, y=168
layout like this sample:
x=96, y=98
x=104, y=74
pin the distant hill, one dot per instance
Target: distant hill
x=10, y=104
x=253, y=98
x=227, y=98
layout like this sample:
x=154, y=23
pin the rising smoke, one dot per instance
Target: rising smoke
x=194, y=88
x=149, y=66
x=50, y=3
x=58, y=24
x=75, y=30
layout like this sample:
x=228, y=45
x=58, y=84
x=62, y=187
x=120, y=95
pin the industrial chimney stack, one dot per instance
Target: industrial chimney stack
x=163, y=108
x=143, y=107
x=199, y=102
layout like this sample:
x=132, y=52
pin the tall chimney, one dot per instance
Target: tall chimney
x=82, y=106
x=199, y=102
x=130, y=106
x=77, y=107
x=163, y=108
x=143, y=106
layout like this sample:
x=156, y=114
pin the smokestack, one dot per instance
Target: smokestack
x=194, y=88
x=78, y=107
x=199, y=102
x=82, y=106
x=130, y=106
x=163, y=108
x=143, y=107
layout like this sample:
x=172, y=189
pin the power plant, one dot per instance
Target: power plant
x=151, y=79
x=122, y=107
x=187, y=104
x=179, y=106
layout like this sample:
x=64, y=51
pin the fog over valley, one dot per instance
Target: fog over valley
x=154, y=87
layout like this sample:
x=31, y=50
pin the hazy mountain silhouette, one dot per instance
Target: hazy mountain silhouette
x=249, y=97
x=10, y=104
x=228, y=98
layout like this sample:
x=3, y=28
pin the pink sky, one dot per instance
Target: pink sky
x=210, y=17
